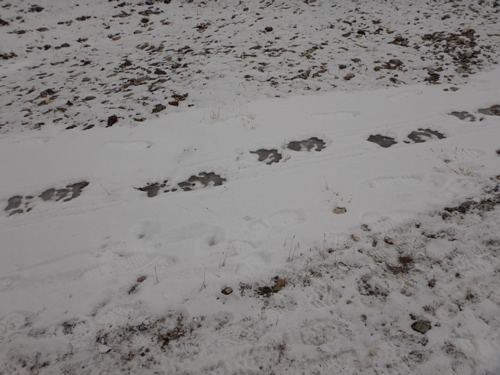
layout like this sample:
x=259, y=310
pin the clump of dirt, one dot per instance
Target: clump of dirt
x=405, y=264
x=268, y=291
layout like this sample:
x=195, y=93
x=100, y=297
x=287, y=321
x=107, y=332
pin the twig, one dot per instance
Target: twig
x=204, y=284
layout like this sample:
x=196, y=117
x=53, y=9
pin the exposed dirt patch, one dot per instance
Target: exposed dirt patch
x=267, y=291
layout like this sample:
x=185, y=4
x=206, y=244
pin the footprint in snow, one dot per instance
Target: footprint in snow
x=19, y=204
x=422, y=135
x=268, y=156
x=417, y=136
x=202, y=180
x=494, y=110
x=313, y=143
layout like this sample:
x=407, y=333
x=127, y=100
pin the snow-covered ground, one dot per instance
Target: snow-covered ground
x=282, y=218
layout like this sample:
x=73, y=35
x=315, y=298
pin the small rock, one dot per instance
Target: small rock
x=227, y=291
x=140, y=279
x=268, y=29
x=421, y=326
x=36, y=8
x=339, y=210
x=158, y=108
x=103, y=349
x=349, y=76
x=112, y=120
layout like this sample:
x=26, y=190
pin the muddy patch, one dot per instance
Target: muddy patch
x=382, y=140
x=19, y=204
x=313, y=143
x=423, y=135
x=494, y=110
x=464, y=116
x=268, y=156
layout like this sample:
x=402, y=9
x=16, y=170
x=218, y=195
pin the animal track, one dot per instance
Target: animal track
x=464, y=116
x=382, y=140
x=422, y=135
x=19, y=204
x=417, y=136
x=268, y=156
x=200, y=181
x=308, y=144
x=494, y=110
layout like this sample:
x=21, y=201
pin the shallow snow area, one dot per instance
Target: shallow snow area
x=238, y=203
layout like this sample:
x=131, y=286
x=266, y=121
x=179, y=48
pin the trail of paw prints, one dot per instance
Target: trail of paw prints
x=494, y=110
x=19, y=204
x=206, y=179
x=195, y=182
x=417, y=136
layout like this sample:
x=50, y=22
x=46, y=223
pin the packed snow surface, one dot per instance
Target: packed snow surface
x=249, y=187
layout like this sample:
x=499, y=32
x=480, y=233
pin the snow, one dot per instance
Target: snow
x=332, y=254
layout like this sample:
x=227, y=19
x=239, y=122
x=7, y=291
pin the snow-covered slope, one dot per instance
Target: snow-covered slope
x=353, y=231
